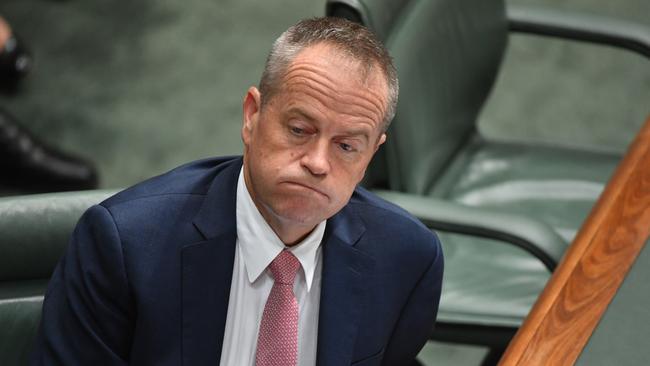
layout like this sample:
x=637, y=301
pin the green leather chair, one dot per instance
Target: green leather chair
x=505, y=211
x=34, y=232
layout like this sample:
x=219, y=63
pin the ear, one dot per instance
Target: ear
x=251, y=112
x=381, y=140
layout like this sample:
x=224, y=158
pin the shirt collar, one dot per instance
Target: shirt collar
x=259, y=244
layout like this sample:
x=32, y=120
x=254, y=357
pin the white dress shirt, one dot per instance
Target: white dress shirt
x=257, y=245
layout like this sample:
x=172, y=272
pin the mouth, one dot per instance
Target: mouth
x=305, y=186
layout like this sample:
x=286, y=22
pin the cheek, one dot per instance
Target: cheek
x=274, y=145
x=351, y=174
x=343, y=184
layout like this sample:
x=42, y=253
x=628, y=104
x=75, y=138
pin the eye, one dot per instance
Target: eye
x=346, y=147
x=297, y=131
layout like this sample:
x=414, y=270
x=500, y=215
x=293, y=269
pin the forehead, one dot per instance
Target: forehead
x=336, y=83
x=339, y=65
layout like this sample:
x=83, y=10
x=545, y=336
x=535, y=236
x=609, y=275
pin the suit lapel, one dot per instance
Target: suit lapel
x=342, y=291
x=207, y=271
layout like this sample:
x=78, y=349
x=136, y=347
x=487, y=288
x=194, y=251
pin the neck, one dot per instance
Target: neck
x=291, y=233
x=290, y=236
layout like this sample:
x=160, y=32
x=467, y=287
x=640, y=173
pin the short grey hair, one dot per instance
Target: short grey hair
x=354, y=40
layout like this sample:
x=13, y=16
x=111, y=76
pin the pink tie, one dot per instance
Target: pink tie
x=277, y=344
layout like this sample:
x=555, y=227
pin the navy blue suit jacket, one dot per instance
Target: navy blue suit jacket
x=146, y=278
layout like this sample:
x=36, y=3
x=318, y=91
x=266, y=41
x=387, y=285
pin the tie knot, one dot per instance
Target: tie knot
x=284, y=267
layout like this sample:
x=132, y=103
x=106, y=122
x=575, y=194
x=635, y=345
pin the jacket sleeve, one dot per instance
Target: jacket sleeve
x=88, y=313
x=418, y=316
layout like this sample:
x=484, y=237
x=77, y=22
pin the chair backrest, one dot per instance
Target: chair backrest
x=376, y=15
x=447, y=53
x=34, y=232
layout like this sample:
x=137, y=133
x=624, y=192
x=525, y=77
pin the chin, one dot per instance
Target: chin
x=300, y=214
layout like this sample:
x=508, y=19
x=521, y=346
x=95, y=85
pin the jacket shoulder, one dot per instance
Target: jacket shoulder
x=390, y=220
x=191, y=179
x=370, y=205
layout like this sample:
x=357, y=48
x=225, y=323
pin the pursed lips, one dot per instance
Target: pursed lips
x=306, y=186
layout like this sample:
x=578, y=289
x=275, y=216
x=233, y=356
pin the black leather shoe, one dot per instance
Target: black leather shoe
x=28, y=164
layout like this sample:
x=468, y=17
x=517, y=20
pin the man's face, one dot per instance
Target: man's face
x=308, y=148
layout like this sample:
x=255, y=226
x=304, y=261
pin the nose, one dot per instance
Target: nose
x=316, y=158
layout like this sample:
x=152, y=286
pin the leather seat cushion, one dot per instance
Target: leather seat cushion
x=491, y=283
x=556, y=185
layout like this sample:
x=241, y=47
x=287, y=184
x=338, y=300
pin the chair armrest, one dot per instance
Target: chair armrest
x=581, y=27
x=532, y=235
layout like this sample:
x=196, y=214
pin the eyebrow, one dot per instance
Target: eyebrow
x=302, y=113
x=357, y=132
x=347, y=132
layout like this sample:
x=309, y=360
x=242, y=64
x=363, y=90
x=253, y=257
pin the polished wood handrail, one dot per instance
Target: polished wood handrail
x=579, y=291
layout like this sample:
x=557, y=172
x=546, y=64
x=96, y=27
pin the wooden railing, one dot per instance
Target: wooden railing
x=579, y=291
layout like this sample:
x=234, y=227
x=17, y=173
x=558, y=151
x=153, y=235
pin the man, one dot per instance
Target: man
x=273, y=259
